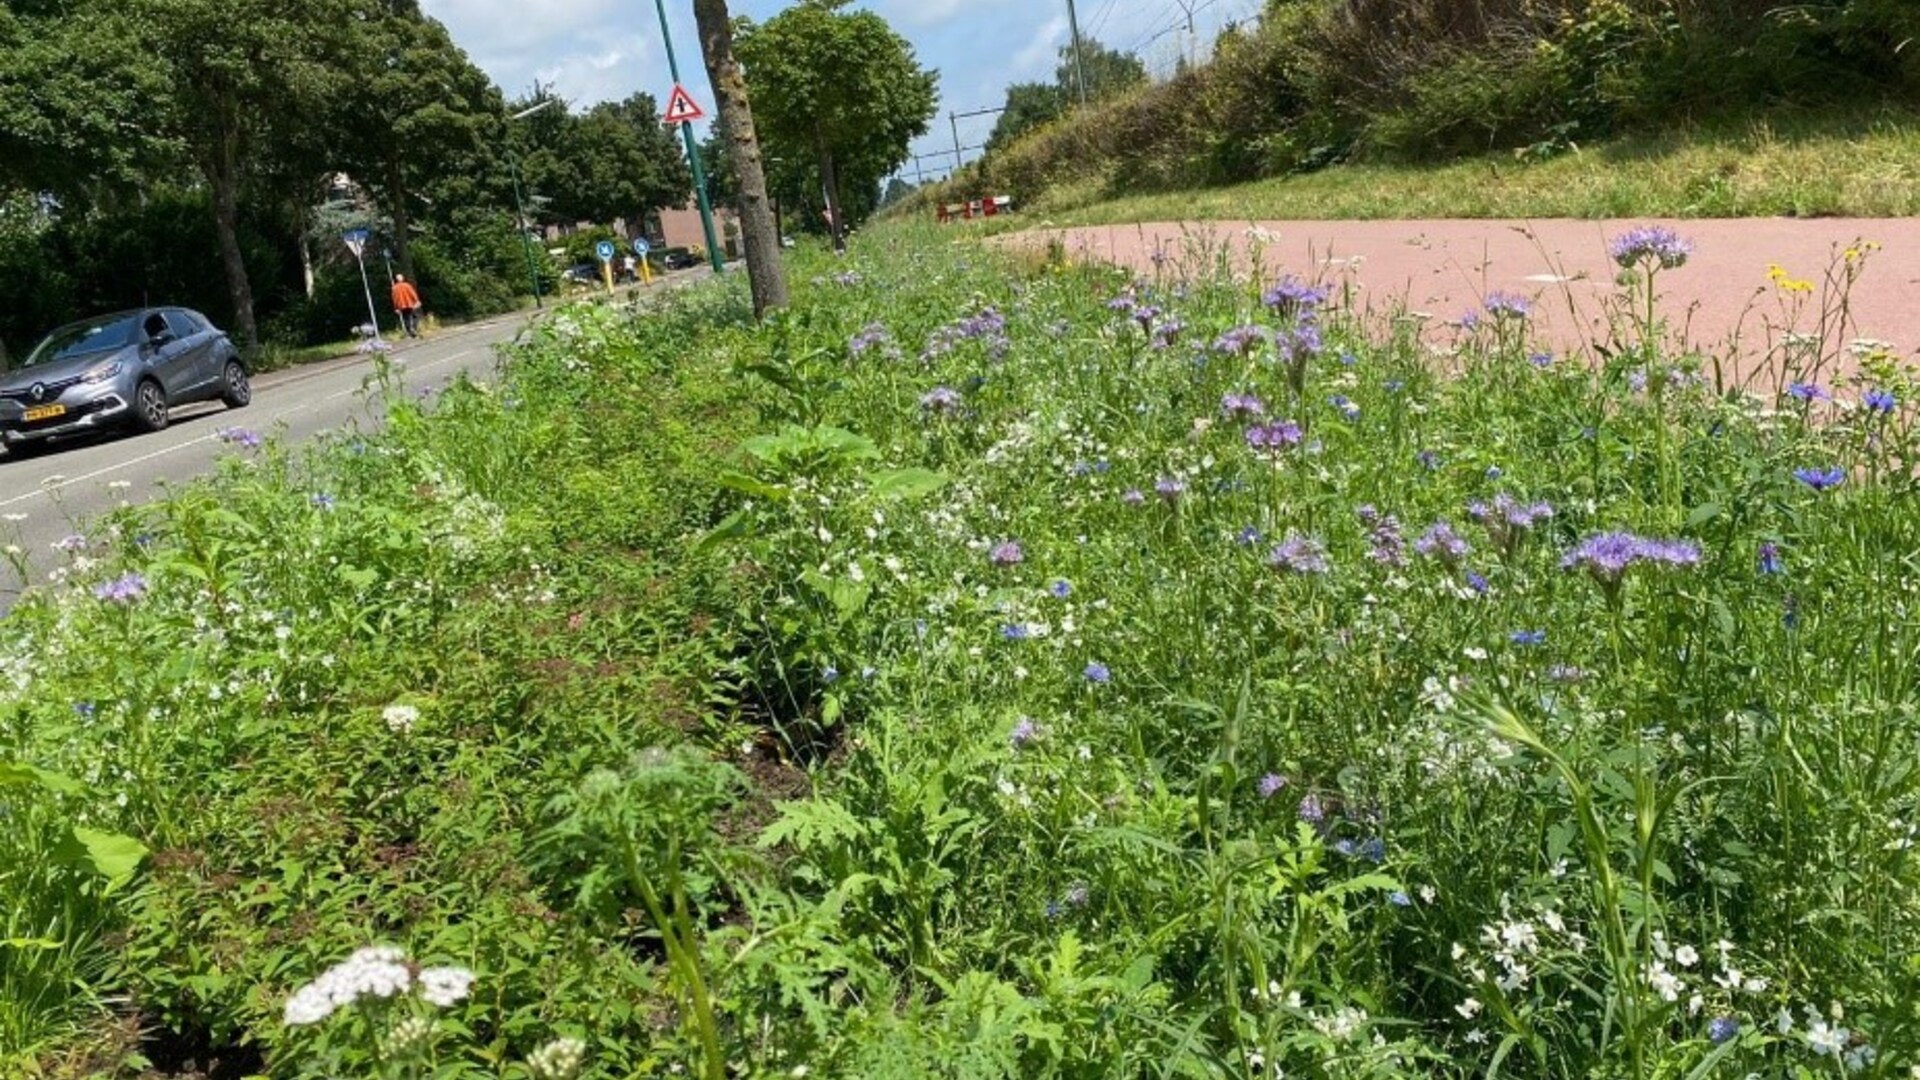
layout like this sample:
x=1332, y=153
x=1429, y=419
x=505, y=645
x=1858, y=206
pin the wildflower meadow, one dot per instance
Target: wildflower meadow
x=999, y=668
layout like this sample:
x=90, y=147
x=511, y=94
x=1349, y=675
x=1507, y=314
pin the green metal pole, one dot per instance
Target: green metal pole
x=520, y=225
x=693, y=149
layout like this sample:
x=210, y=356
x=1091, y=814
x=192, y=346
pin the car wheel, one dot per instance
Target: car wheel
x=149, y=407
x=235, y=390
x=25, y=448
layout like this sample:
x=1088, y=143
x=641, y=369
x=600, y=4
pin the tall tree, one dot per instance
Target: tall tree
x=1028, y=106
x=243, y=76
x=839, y=86
x=759, y=231
x=620, y=162
x=1108, y=71
x=414, y=110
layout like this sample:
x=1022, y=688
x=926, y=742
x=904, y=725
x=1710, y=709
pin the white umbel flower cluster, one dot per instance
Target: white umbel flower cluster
x=558, y=1060
x=377, y=971
x=400, y=718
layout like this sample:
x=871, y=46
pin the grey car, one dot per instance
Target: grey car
x=127, y=369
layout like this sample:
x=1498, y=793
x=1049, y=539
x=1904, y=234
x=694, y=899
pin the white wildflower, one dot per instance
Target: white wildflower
x=400, y=718
x=1469, y=1008
x=376, y=971
x=445, y=986
x=558, y=1060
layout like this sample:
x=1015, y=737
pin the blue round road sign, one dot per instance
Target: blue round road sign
x=604, y=249
x=641, y=247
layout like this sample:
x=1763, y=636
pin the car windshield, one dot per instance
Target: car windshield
x=105, y=334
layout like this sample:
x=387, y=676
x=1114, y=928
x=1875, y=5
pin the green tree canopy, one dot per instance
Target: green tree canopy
x=839, y=88
x=620, y=161
x=1108, y=71
x=1029, y=105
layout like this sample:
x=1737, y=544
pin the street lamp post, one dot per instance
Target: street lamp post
x=693, y=150
x=513, y=169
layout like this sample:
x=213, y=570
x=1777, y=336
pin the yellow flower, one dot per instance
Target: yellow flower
x=1778, y=275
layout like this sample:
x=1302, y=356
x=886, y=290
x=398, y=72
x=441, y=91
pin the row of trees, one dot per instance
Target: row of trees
x=123, y=111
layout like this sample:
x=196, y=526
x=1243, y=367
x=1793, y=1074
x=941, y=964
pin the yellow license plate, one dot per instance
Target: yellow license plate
x=45, y=412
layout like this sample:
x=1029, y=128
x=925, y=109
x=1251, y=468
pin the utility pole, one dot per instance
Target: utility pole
x=1079, y=69
x=513, y=165
x=693, y=148
x=955, y=122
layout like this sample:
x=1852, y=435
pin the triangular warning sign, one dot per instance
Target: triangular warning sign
x=681, y=108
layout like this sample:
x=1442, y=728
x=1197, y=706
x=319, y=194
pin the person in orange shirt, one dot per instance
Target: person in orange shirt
x=406, y=301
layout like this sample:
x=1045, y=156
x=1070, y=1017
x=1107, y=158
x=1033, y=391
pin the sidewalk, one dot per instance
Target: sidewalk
x=1723, y=301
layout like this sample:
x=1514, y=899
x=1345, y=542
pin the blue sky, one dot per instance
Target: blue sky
x=598, y=50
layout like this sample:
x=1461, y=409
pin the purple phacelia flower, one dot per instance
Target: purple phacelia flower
x=1821, y=479
x=1607, y=556
x=124, y=589
x=1006, y=553
x=1133, y=497
x=1167, y=334
x=1299, y=555
x=1442, y=543
x=871, y=336
x=75, y=542
x=1279, y=435
x=1023, y=733
x=1169, y=488
x=1292, y=298
x=1311, y=810
x=1504, y=306
x=941, y=401
x=1241, y=340
x=1242, y=407
x=1389, y=546
x=1651, y=244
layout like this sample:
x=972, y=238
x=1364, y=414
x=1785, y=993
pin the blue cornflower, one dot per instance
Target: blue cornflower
x=1528, y=637
x=1770, y=561
x=1478, y=582
x=1807, y=392
x=1495, y=472
x=1722, y=1029
x=1428, y=459
x=1345, y=847
x=1374, y=850
x=1394, y=386
x=1347, y=408
x=1060, y=589
x=1247, y=536
x=1271, y=784
x=1053, y=909
x=1821, y=479
x=1399, y=899
x=1880, y=401
x=83, y=709
x=1015, y=632
x=831, y=675
x=1790, y=612
x=320, y=500
x=1541, y=360
x=1098, y=673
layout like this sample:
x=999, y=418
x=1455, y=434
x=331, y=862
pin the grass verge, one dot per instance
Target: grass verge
x=1858, y=164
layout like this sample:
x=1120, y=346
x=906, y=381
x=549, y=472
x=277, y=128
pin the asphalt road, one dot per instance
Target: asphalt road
x=54, y=495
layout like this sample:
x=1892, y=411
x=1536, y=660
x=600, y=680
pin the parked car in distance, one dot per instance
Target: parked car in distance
x=581, y=274
x=128, y=369
x=678, y=258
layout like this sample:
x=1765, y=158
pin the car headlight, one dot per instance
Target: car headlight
x=102, y=373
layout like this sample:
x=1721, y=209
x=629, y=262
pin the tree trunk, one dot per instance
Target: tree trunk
x=759, y=231
x=222, y=175
x=402, y=222
x=830, y=178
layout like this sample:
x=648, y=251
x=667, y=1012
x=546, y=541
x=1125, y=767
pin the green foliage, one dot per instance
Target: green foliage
x=837, y=88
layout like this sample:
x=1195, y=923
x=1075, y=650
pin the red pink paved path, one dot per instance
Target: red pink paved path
x=1723, y=301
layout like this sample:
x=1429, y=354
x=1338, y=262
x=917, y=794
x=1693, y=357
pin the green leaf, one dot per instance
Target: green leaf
x=906, y=483
x=114, y=856
x=19, y=774
x=747, y=485
x=1702, y=514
